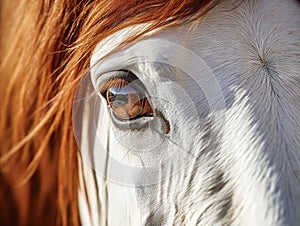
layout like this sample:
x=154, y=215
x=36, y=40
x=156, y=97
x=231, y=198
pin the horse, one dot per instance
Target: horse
x=196, y=124
x=157, y=113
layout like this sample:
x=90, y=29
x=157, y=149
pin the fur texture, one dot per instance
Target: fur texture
x=230, y=89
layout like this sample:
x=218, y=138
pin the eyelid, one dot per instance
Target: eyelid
x=113, y=74
x=107, y=79
x=134, y=124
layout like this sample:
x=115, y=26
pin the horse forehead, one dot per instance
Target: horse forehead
x=249, y=36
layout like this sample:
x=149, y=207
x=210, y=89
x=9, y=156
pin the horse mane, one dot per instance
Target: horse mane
x=46, y=48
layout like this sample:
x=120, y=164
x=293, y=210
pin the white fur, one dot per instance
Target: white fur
x=232, y=156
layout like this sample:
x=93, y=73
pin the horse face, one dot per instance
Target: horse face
x=196, y=125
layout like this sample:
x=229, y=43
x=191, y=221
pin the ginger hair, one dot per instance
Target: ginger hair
x=45, y=51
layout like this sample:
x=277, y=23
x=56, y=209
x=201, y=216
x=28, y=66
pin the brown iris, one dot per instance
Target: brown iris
x=125, y=98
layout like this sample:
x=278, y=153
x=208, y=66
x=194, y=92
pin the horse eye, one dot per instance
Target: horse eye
x=125, y=96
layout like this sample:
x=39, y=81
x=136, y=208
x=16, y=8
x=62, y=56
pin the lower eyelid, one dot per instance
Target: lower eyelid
x=133, y=124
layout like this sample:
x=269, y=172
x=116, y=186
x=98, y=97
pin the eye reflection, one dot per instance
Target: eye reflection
x=126, y=98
